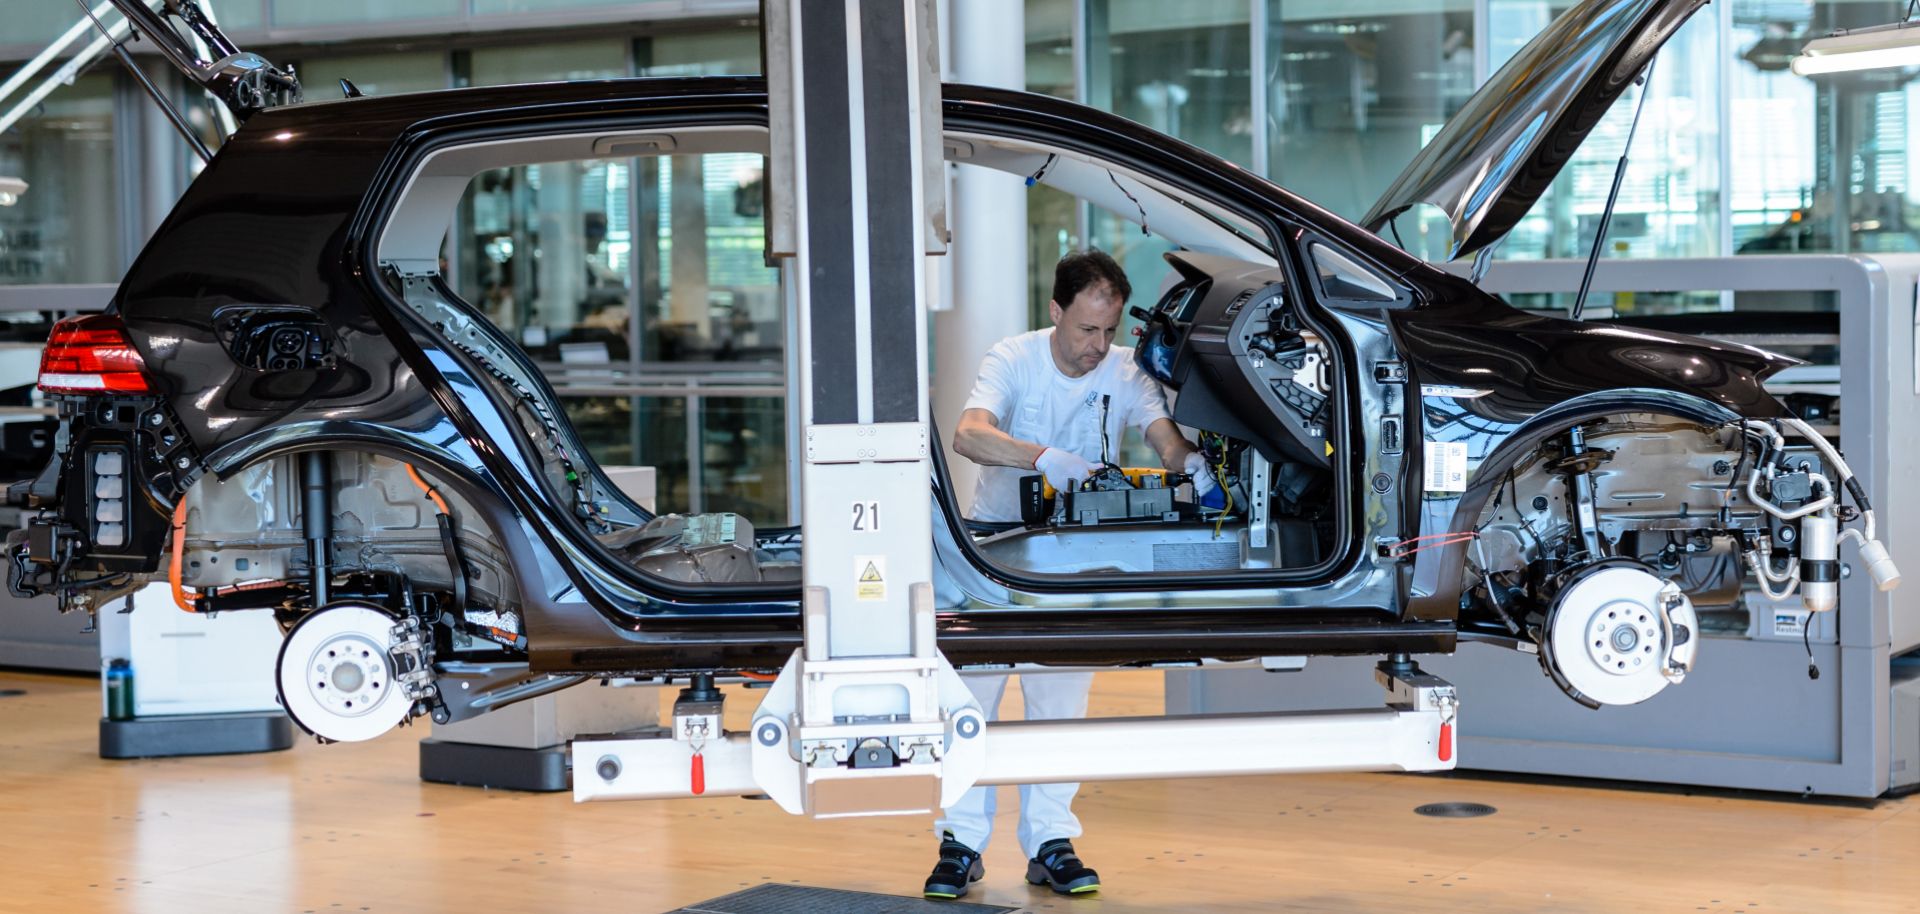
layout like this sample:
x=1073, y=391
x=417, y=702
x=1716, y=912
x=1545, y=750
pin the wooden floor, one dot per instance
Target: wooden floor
x=351, y=828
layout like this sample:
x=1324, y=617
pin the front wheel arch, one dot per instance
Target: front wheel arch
x=1449, y=561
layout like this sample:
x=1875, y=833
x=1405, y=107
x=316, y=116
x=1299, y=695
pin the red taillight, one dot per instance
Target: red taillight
x=92, y=355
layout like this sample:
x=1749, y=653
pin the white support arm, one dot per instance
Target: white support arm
x=1100, y=749
x=62, y=76
x=52, y=51
x=1414, y=732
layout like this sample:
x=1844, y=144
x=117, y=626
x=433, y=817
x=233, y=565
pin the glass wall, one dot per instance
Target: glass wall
x=1819, y=165
x=1182, y=69
x=543, y=252
x=1734, y=153
x=743, y=457
x=1669, y=204
x=65, y=228
x=33, y=23
x=1350, y=98
x=629, y=280
x=373, y=73
x=596, y=58
x=733, y=52
x=1053, y=232
x=709, y=306
x=1050, y=66
x=671, y=289
x=298, y=13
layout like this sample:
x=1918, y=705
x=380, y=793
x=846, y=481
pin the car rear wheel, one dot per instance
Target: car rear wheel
x=336, y=674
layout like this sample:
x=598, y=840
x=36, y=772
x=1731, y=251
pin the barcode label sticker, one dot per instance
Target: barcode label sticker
x=1446, y=466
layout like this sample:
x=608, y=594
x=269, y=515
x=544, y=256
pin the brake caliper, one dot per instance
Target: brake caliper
x=412, y=654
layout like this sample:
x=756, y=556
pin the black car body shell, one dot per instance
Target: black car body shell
x=282, y=219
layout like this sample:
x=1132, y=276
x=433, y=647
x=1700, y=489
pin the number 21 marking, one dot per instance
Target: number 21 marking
x=866, y=517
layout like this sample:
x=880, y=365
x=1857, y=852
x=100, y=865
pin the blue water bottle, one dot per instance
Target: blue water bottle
x=119, y=690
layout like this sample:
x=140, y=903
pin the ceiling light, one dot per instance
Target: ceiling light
x=1876, y=47
x=10, y=190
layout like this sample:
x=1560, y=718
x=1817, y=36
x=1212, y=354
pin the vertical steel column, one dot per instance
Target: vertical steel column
x=1257, y=38
x=130, y=166
x=865, y=210
x=1482, y=41
x=1723, y=122
x=857, y=203
x=989, y=262
x=796, y=446
x=1088, y=91
x=696, y=449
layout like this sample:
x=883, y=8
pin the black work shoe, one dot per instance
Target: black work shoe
x=1057, y=865
x=959, y=866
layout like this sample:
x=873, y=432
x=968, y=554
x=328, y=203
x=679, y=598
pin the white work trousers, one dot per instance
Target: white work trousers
x=1046, y=810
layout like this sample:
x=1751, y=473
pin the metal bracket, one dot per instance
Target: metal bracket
x=882, y=735
x=880, y=442
x=697, y=721
x=1259, y=499
x=807, y=754
x=1413, y=690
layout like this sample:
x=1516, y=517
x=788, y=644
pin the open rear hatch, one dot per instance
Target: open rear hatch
x=190, y=40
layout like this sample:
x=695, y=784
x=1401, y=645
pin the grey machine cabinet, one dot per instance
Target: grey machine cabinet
x=1749, y=716
x=39, y=638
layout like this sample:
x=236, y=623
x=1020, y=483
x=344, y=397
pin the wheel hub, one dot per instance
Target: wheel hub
x=347, y=673
x=1624, y=636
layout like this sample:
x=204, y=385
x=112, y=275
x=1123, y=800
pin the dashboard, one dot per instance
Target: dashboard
x=1229, y=338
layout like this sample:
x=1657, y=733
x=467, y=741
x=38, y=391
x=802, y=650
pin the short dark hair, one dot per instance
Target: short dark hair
x=1082, y=270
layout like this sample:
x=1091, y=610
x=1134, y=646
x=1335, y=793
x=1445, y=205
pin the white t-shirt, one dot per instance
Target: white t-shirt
x=1032, y=400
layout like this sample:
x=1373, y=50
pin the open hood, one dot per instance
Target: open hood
x=1498, y=154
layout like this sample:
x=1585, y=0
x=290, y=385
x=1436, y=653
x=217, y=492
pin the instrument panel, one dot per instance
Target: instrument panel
x=1229, y=339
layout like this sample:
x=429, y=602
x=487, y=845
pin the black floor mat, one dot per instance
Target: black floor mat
x=773, y=898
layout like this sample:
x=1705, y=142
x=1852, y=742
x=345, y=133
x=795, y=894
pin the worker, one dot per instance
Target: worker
x=1056, y=401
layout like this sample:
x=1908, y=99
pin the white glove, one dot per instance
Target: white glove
x=1065, y=470
x=1203, y=482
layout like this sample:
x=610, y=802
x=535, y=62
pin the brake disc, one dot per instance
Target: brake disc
x=337, y=677
x=1618, y=634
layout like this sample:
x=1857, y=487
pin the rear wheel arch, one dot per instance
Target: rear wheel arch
x=476, y=503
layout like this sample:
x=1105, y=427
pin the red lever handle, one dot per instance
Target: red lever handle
x=1446, y=744
x=700, y=774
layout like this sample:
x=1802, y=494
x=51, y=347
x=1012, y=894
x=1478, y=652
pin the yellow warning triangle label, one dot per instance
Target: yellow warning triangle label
x=871, y=575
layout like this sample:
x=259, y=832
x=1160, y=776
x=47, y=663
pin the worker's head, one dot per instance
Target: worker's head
x=1089, y=293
